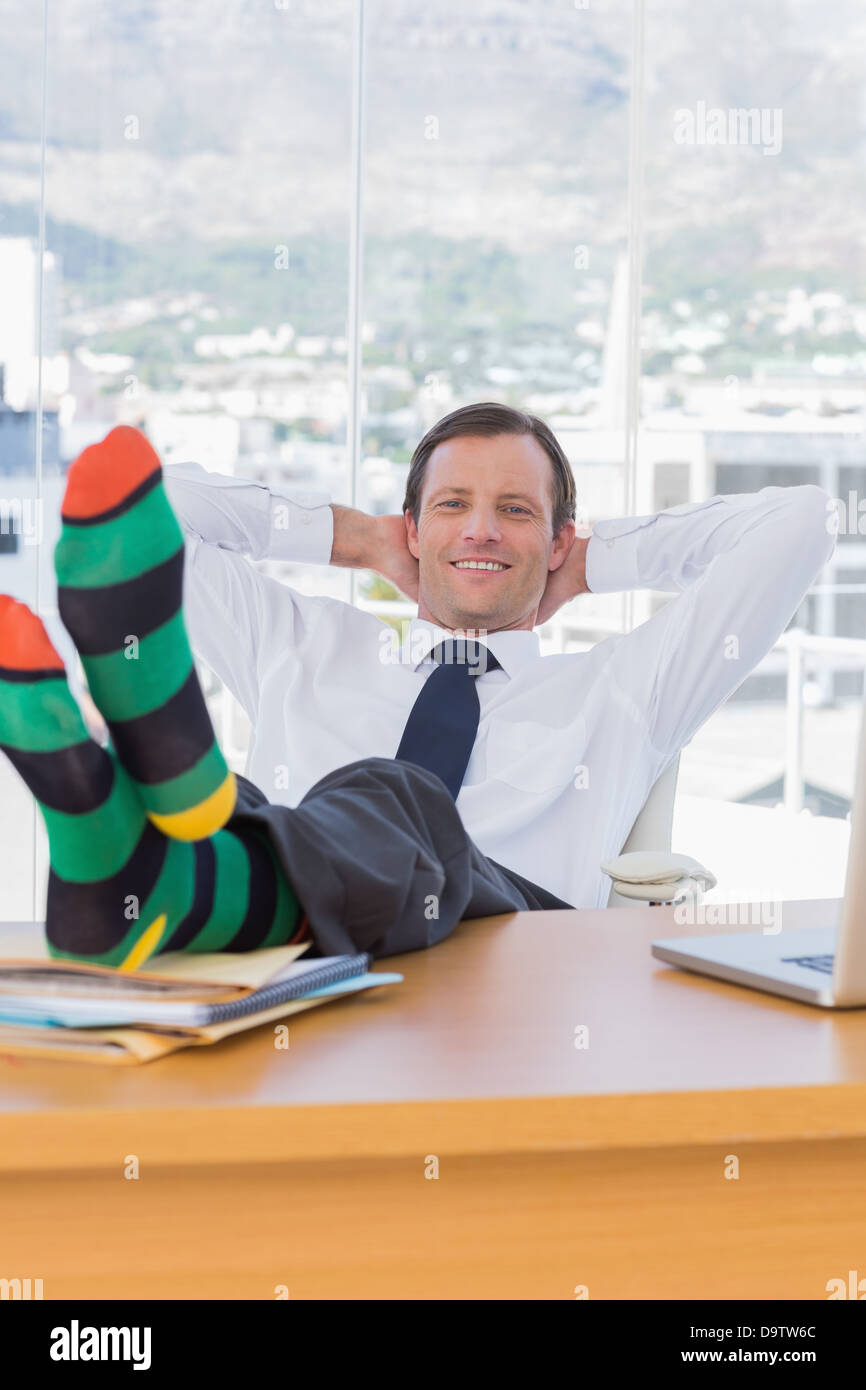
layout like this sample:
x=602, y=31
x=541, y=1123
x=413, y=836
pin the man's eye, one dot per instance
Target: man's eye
x=514, y=508
x=453, y=502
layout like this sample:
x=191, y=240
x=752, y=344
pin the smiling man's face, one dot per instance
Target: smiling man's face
x=484, y=539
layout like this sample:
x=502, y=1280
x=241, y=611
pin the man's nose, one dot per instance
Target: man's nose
x=482, y=524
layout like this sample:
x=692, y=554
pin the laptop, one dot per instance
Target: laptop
x=816, y=965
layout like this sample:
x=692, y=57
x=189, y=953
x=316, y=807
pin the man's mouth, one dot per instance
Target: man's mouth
x=487, y=566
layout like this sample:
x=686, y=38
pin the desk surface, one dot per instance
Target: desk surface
x=478, y=1046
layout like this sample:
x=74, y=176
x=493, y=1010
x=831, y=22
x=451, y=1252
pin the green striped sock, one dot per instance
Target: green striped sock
x=119, y=564
x=119, y=891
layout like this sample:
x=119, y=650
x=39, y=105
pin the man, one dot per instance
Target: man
x=567, y=747
x=402, y=787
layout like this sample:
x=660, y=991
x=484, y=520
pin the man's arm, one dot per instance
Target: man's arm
x=248, y=518
x=741, y=564
x=226, y=522
x=227, y=602
x=301, y=525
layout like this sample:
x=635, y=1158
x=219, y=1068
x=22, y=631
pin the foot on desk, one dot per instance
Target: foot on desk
x=119, y=564
x=119, y=890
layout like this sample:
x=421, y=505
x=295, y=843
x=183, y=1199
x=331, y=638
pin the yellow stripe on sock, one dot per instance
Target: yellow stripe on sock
x=198, y=822
x=145, y=945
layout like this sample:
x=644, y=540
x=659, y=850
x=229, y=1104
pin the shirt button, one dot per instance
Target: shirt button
x=306, y=518
x=610, y=545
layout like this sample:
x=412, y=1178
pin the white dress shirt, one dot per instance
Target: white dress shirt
x=568, y=746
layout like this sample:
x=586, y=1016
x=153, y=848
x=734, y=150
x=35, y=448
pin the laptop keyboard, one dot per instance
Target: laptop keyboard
x=823, y=963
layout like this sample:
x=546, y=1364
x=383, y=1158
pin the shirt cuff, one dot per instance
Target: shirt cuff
x=301, y=527
x=612, y=558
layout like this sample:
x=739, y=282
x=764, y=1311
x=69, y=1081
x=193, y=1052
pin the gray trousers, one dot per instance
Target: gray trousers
x=380, y=861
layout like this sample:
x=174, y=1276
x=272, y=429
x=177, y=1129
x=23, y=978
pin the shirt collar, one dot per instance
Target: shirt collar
x=512, y=649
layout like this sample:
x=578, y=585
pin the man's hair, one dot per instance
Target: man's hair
x=489, y=418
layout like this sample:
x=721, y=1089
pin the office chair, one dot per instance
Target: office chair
x=654, y=824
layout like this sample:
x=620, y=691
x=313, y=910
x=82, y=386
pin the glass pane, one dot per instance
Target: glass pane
x=197, y=207
x=754, y=355
x=21, y=513
x=495, y=234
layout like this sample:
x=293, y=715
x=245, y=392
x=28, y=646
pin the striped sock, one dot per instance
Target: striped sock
x=119, y=891
x=119, y=564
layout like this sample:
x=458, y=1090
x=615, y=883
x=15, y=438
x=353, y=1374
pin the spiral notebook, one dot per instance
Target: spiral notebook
x=70, y=1009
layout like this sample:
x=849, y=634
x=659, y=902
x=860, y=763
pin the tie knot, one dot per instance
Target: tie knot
x=468, y=653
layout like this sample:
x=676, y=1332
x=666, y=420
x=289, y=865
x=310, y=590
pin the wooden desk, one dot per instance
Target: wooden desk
x=557, y=1166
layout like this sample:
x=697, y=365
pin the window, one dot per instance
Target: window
x=285, y=243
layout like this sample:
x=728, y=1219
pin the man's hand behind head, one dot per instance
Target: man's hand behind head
x=374, y=543
x=566, y=582
x=393, y=558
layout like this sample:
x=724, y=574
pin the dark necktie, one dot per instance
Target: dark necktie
x=443, y=721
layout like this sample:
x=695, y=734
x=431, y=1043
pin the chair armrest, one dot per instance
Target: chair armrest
x=656, y=876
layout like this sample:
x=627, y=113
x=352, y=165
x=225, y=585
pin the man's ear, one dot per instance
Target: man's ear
x=562, y=543
x=411, y=534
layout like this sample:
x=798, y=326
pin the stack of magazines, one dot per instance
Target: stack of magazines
x=71, y=1010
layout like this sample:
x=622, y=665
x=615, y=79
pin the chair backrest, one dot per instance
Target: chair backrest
x=654, y=825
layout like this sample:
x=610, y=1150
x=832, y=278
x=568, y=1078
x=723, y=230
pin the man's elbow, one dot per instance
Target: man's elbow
x=817, y=522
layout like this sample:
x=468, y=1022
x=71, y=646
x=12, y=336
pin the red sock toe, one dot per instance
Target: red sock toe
x=104, y=475
x=24, y=643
